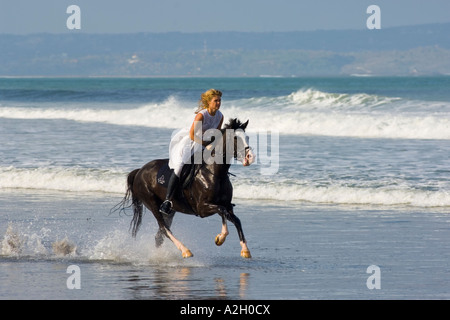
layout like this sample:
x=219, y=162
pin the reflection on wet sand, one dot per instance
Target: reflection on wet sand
x=174, y=283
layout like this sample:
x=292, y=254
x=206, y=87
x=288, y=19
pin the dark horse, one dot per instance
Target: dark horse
x=209, y=192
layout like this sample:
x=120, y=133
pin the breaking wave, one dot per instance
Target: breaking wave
x=304, y=112
x=114, y=182
x=339, y=194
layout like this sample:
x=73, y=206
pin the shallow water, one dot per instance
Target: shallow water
x=299, y=251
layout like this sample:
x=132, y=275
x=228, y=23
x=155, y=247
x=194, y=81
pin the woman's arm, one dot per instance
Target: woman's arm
x=197, y=122
x=220, y=124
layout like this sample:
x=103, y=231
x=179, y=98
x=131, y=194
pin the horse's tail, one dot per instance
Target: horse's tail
x=136, y=203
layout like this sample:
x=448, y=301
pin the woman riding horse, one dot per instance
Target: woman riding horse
x=209, y=192
x=183, y=145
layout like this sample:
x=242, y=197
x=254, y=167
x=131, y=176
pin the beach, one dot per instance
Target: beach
x=348, y=199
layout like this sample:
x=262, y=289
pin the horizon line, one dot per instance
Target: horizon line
x=80, y=32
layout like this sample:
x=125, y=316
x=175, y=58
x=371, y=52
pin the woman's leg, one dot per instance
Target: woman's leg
x=174, y=181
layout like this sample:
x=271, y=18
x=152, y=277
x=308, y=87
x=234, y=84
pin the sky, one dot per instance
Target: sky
x=130, y=16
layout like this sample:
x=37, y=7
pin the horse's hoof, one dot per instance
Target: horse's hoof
x=220, y=239
x=187, y=254
x=246, y=254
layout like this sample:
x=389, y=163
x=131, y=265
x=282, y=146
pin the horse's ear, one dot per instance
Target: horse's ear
x=244, y=125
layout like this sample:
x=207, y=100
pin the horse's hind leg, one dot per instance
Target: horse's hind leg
x=185, y=252
x=159, y=238
x=164, y=229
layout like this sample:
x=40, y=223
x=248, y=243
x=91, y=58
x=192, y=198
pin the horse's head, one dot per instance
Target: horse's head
x=241, y=148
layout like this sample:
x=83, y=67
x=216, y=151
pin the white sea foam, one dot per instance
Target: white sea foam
x=337, y=194
x=353, y=125
x=311, y=98
x=113, y=181
x=149, y=115
x=312, y=112
x=304, y=112
x=63, y=179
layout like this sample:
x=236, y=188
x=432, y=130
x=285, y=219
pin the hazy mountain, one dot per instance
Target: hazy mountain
x=422, y=49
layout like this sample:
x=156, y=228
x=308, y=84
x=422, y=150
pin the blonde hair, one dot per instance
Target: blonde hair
x=206, y=98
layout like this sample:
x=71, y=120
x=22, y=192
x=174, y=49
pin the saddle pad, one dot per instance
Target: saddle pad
x=163, y=175
x=187, y=174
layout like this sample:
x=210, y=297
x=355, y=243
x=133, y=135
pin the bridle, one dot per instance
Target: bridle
x=240, y=154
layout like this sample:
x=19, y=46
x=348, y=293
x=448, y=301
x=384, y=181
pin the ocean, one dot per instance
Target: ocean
x=350, y=173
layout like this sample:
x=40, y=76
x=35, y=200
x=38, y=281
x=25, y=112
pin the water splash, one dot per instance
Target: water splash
x=12, y=243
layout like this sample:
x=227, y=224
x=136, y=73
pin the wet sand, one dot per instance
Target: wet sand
x=300, y=251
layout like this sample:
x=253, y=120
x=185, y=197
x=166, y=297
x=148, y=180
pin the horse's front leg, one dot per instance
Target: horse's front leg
x=208, y=209
x=222, y=236
x=229, y=215
x=245, y=252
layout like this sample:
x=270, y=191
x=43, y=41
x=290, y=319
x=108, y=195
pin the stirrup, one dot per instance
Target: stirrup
x=166, y=207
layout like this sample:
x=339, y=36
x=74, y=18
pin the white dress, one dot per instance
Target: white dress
x=181, y=146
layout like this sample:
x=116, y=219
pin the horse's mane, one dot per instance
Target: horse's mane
x=235, y=124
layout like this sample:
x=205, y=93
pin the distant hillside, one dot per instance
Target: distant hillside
x=423, y=49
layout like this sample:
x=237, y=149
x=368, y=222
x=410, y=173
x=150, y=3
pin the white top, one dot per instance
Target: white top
x=182, y=147
x=209, y=121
